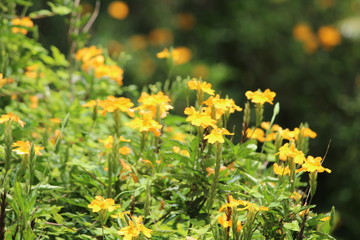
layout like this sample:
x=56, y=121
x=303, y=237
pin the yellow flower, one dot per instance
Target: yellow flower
x=134, y=229
x=11, y=117
x=161, y=36
x=24, y=148
x=91, y=103
x=256, y=133
x=113, y=72
x=216, y=135
x=3, y=81
x=307, y=132
x=239, y=226
x=279, y=170
x=33, y=71
x=109, y=141
x=224, y=222
x=178, y=55
x=146, y=123
x=329, y=37
x=261, y=97
x=185, y=21
x=200, y=86
x=34, y=101
x=99, y=203
x=288, y=134
x=85, y=54
x=125, y=150
x=212, y=171
x=312, y=164
x=291, y=151
x=222, y=106
x=296, y=196
x=55, y=120
x=158, y=104
x=112, y=103
x=199, y=119
x=118, y=10
x=231, y=203
x=21, y=22
x=304, y=33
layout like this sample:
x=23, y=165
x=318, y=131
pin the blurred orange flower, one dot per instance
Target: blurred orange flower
x=118, y=10
x=21, y=22
x=329, y=37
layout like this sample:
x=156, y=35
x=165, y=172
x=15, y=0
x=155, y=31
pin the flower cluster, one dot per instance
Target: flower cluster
x=93, y=60
x=22, y=25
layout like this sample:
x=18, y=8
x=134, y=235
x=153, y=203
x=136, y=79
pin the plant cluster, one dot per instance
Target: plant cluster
x=84, y=157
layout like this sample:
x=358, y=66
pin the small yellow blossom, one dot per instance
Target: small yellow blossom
x=55, y=120
x=85, y=54
x=261, y=97
x=111, y=104
x=279, y=170
x=146, y=123
x=3, y=81
x=134, y=229
x=296, y=196
x=91, y=103
x=200, y=86
x=239, y=226
x=312, y=164
x=11, y=117
x=200, y=119
x=212, y=171
x=158, y=103
x=34, y=101
x=109, y=141
x=329, y=37
x=33, y=71
x=288, y=134
x=22, y=147
x=304, y=33
x=113, y=72
x=307, y=132
x=161, y=37
x=118, y=10
x=256, y=133
x=56, y=135
x=291, y=151
x=325, y=219
x=125, y=150
x=99, y=203
x=21, y=23
x=221, y=106
x=178, y=55
x=217, y=135
x=225, y=223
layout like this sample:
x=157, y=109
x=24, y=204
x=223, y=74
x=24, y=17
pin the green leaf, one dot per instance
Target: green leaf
x=293, y=226
x=61, y=10
x=41, y=13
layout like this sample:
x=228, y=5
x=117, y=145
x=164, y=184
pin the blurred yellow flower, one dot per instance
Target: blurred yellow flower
x=200, y=86
x=279, y=170
x=85, y=54
x=3, y=81
x=157, y=104
x=312, y=164
x=217, y=135
x=21, y=23
x=304, y=33
x=161, y=37
x=138, y=42
x=125, y=150
x=287, y=151
x=22, y=147
x=146, y=123
x=221, y=106
x=185, y=21
x=109, y=141
x=111, y=104
x=256, y=133
x=34, y=101
x=307, y=132
x=179, y=55
x=200, y=71
x=113, y=72
x=199, y=119
x=223, y=220
x=212, y=171
x=99, y=203
x=329, y=37
x=118, y=9
x=134, y=229
x=260, y=97
x=10, y=117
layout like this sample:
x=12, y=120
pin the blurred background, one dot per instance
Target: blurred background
x=308, y=52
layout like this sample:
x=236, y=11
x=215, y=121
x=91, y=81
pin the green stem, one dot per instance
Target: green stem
x=212, y=192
